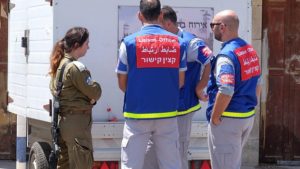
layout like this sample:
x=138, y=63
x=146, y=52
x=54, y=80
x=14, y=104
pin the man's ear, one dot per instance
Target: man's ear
x=161, y=16
x=141, y=17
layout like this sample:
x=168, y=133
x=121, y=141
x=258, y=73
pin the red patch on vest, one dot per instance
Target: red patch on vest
x=157, y=51
x=249, y=62
x=227, y=79
x=206, y=52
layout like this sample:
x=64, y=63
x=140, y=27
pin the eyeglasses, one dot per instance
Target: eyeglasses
x=213, y=24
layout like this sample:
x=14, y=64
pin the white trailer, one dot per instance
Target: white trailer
x=38, y=25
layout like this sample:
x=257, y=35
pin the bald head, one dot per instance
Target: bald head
x=229, y=18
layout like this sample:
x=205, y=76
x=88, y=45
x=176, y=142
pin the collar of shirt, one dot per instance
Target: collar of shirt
x=150, y=25
x=70, y=57
x=225, y=43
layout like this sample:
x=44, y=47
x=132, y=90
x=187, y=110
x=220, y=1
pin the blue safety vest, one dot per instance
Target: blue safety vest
x=247, y=72
x=188, y=101
x=154, y=58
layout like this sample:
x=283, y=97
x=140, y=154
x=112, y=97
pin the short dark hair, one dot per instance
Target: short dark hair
x=169, y=14
x=150, y=9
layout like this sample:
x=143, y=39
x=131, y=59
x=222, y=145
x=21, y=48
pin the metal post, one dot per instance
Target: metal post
x=21, y=142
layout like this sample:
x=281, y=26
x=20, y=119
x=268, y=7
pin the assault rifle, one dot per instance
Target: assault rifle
x=53, y=157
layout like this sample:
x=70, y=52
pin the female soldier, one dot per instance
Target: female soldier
x=78, y=95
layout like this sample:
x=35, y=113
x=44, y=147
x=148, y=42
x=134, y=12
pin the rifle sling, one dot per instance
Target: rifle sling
x=59, y=84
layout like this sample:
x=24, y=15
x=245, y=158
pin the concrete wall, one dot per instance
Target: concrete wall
x=251, y=150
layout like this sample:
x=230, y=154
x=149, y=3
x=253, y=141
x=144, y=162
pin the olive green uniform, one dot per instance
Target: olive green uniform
x=75, y=114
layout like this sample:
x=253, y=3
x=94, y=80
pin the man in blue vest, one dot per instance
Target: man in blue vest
x=233, y=90
x=150, y=71
x=196, y=76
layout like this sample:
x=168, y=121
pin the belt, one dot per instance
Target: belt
x=64, y=113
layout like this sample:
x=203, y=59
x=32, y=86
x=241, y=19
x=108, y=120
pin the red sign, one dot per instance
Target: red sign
x=157, y=51
x=249, y=62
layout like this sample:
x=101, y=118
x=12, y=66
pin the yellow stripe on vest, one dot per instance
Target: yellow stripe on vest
x=192, y=109
x=238, y=114
x=150, y=115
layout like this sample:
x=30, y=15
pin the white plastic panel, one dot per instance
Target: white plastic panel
x=27, y=76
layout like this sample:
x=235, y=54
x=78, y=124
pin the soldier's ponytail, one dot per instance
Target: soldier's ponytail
x=56, y=56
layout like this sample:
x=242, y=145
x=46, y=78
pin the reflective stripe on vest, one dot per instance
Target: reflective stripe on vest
x=150, y=115
x=238, y=114
x=192, y=109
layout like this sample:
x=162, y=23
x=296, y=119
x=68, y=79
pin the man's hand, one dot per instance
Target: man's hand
x=221, y=104
x=202, y=96
x=216, y=120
